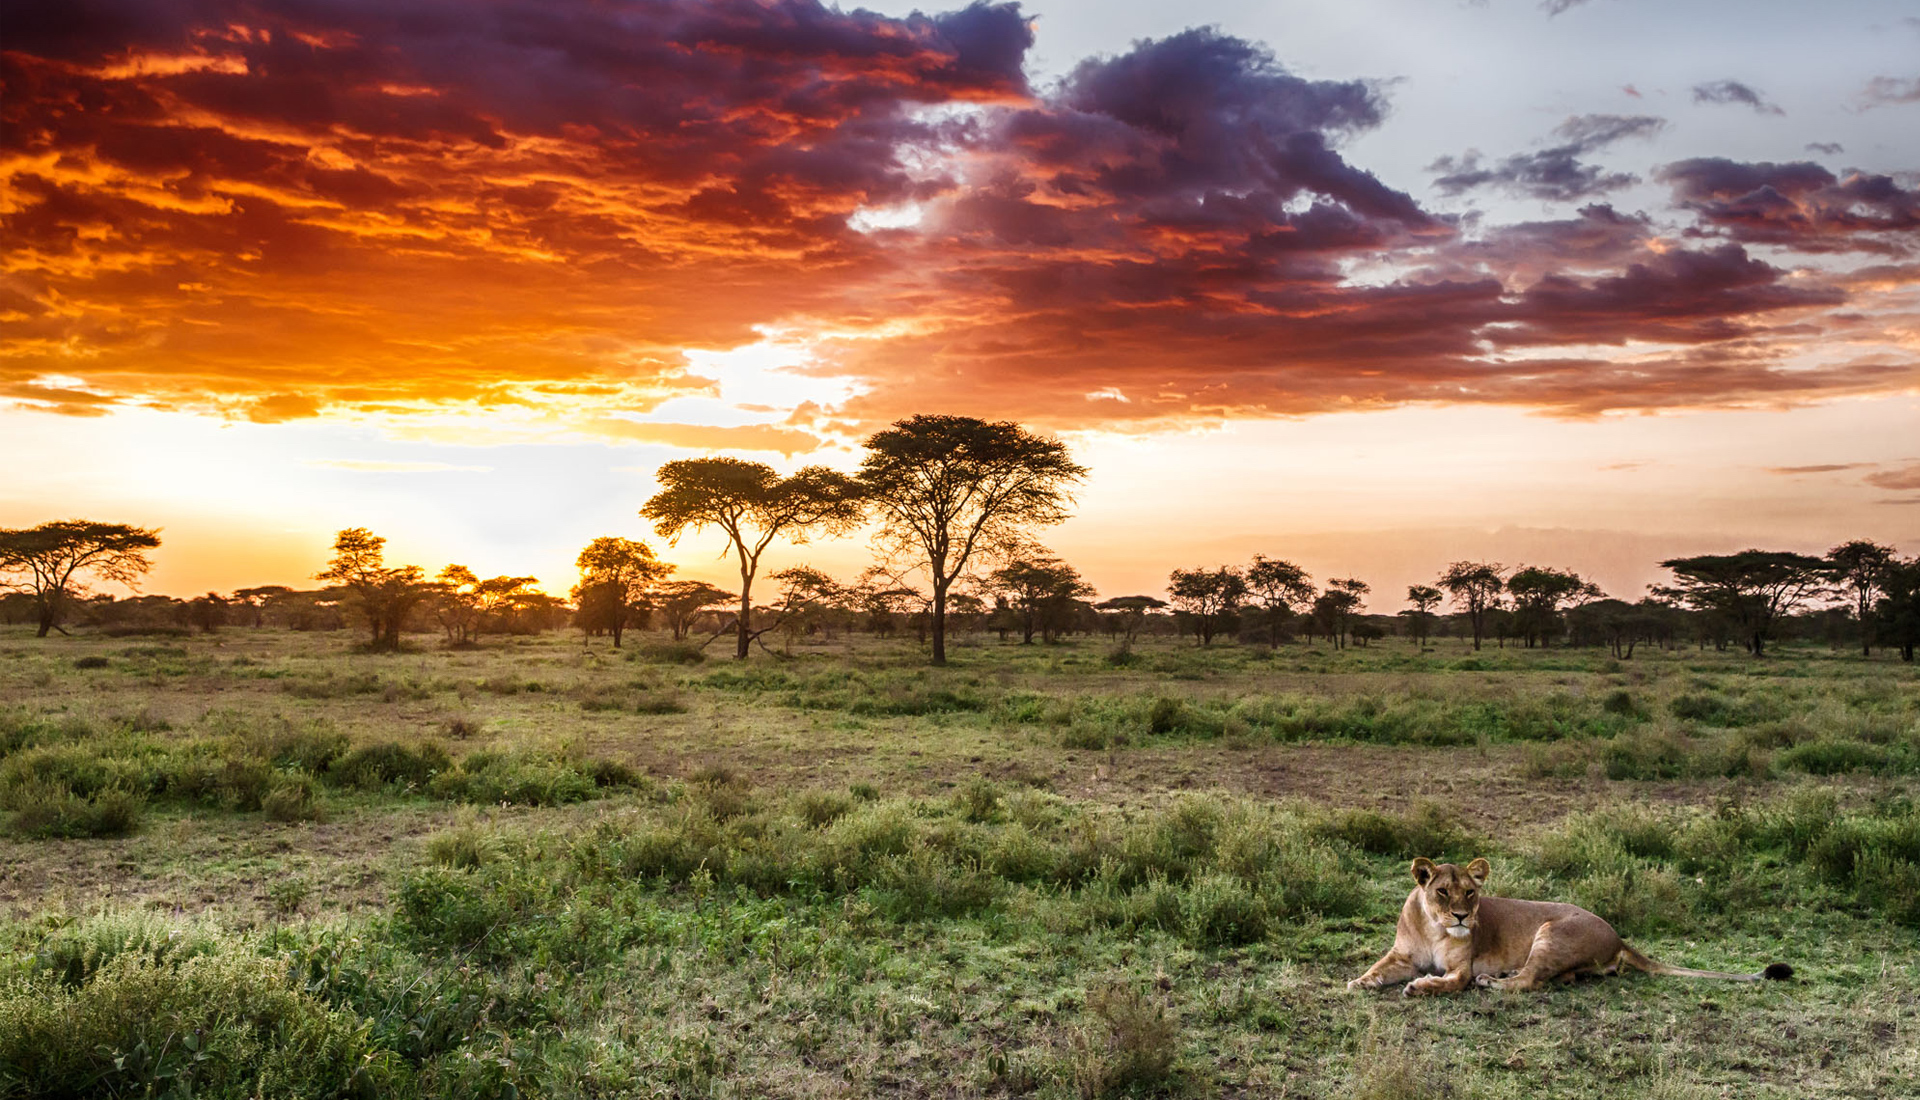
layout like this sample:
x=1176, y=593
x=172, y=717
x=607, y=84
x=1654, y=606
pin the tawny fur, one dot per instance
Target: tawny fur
x=1451, y=936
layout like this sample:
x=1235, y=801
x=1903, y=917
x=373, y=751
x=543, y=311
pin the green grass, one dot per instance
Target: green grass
x=536, y=869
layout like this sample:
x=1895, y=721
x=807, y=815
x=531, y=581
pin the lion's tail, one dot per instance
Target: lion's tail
x=1776, y=972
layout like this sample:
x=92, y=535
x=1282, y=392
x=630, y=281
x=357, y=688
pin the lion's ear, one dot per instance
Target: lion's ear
x=1478, y=871
x=1422, y=870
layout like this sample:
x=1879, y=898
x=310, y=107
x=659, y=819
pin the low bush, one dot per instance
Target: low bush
x=294, y=798
x=206, y=1025
x=44, y=809
x=373, y=767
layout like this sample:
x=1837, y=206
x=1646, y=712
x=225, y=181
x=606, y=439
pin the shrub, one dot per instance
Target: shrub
x=1836, y=757
x=822, y=808
x=375, y=766
x=44, y=809
x=979, y=800
x=1165, y=715
x=72, y=954
x=1426, y=829
x=1220, y=910
x=670, y=653
x=1620, y=702
x=467, y=845
x=460, y=729
x=294, y=798
x=1130, y=1045
x=213, y=1025
x=524, y=779
x=91, y=662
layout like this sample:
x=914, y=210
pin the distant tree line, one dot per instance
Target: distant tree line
x=955, y=503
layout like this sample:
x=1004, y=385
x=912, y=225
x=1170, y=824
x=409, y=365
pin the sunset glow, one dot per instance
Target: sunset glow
x=1593, y=283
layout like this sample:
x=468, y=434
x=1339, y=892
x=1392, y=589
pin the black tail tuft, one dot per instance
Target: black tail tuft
x=1777, y=972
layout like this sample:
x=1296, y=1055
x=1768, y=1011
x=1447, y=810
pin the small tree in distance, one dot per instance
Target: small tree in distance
x=48, y=562
x=750, y=504
x=1422, y=599
x=1860, y=567
x=1040, y=588
x=616, y=579
x=1749, y=591
x=384, y=596
x=680, y=602
x=1208, y=595
x=1538, y=595
x=1337, y=606
x=947, y=487
x=1282, y=588
x=1476, y=587
x=1132, y=611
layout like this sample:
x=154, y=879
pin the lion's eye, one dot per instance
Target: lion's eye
x=1469, y=895
x=1443, y=895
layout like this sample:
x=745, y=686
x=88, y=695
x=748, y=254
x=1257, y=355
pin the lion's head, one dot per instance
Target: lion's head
x=1450, y=895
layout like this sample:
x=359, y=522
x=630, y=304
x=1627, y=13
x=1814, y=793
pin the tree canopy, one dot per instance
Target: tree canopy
x=1041, y=590
x=946, y=487
x=1749, y=590
x=616, y=583
x=1476, y=588
x=1539, y=593
x=383, y=595
x=1860, y=567
x=49, y=562
x=1208, y=595
x=751, y=504
x=1281, y=587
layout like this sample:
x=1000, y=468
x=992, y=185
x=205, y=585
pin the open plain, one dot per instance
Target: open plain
x=258, y=862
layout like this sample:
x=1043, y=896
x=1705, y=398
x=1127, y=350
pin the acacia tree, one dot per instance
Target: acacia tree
x=1476, y=587
x=1282, y=588
x=384, y=595
x=1132, y=611
x=1860, y=567
x=1040, y=589
x=48, y=563
x=1748, y=591
x=616, y=580
x=1538, y=595
x=1336, y=606
x=256, y=600
x=1899, y=610
x=1209, y=595
x=1423, y=598
x=750, y=504
x=680, y=602
x=947, y=487
x=455, y=604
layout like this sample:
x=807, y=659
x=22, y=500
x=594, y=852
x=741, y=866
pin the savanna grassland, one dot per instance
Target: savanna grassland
x=258, y=863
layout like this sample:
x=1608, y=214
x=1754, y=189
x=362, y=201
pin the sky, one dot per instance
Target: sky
x=1373, y=286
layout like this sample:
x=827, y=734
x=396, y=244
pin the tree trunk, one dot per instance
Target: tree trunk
x=939, y=620
x=743, y=634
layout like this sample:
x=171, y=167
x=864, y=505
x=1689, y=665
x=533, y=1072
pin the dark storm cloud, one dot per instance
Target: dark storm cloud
x=1555, y=174
x=1799, y=204
x=1735, y=93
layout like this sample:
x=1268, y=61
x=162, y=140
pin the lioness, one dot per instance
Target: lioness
x=1450, y=935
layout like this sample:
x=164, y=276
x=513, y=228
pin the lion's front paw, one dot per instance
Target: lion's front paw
x=1484, y=981
x=1364, y=983
x=1413, y=989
